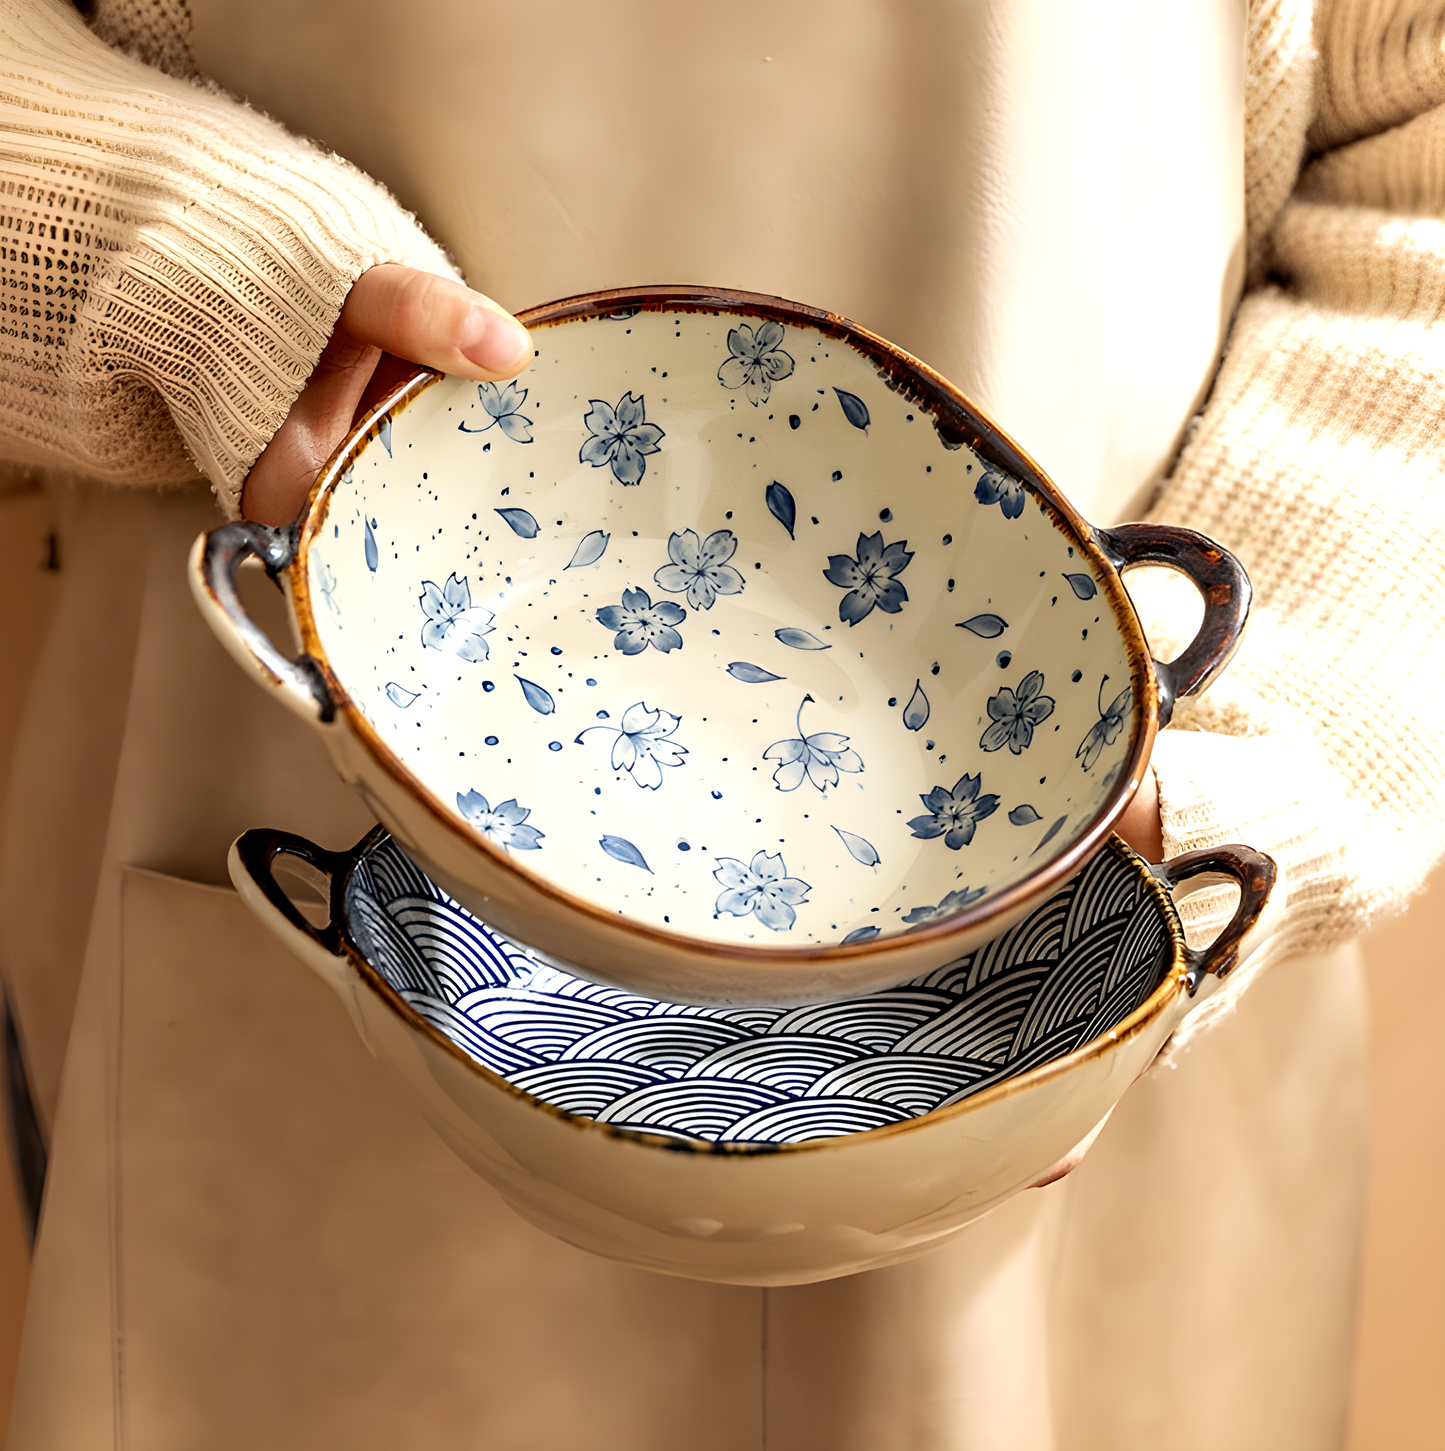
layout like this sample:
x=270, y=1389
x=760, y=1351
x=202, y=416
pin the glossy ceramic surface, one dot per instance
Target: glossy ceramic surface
x=758, y=1145
x=712, y=628
x=1071, y=970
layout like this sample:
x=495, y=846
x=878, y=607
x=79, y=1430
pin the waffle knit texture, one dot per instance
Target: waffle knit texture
x=174, y=264
x=1318, y=460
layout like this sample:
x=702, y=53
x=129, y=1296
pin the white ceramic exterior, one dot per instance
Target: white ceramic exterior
x=749, y=1214
x=762, y=682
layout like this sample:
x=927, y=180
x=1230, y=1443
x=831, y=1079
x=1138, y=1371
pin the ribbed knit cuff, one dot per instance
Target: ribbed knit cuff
x=194, y=252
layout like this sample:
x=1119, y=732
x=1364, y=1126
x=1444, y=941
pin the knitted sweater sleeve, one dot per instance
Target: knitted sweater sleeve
x=1319, y=460
x=171, y=262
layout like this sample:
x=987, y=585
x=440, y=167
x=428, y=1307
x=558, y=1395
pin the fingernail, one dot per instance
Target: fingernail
x=493, y=341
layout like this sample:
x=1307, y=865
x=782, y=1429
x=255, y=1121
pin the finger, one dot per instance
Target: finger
x=437, y=322
x=1072, y=1159
x=1140, y=825
x=282, y=476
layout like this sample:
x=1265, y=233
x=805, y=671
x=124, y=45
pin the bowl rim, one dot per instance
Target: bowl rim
x=958, y=421
x=1172, y=981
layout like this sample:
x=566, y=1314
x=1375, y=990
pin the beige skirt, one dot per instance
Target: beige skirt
x=249, y=1240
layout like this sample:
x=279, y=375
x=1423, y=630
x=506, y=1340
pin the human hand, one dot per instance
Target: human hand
x=391, y=309
x=1140, y=825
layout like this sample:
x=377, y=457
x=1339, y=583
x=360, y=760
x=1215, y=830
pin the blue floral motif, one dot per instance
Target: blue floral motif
x=756, y=361
x=996, y=487
x=640, y=623
x=1015, y=715
x=621, y=437
x=643, y=745
x=503, y=823
x=503, y=407
x=870, y=579
x=1104, y=730
x=954, y=815
x=953, y=902
x=327, y=581
x=454, y=624
x=700, y=566
x=762, y=886
x=819, y=757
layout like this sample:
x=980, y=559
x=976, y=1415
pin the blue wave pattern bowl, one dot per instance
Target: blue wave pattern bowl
x=1069, y=972
x=728, y=655
x=758, y=1145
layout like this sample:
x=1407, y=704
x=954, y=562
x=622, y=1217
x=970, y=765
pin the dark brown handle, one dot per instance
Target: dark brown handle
x=214, y=566
x=258, y=851
x=1215, y=573
x=1253, y=872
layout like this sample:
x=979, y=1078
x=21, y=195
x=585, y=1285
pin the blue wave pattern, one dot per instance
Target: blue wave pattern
x=1067, y=973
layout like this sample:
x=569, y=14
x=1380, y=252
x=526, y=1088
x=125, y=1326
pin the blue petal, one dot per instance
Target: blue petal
x=369, y=545
x=986, y=627
x=861, y=934
x=856, y=606
x=751, y=674
x=516, y=427
x=782, y=507
x=855, y=410
x=800, y=640
x=1012, y=504
x=597, y=451
x=472, y=803
x=539, y=699
x=399, y=695
x=893, y=596
x=858, y=848
x=1024, y=815
x=385, y=432
x=592, y=547
x=520, y=521
x=622, y=850
x=1082, y=585
x=915, y=713
x=628, y=464
x=1050, y=834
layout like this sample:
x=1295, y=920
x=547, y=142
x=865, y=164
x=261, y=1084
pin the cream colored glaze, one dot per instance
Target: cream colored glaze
x=766, y=1216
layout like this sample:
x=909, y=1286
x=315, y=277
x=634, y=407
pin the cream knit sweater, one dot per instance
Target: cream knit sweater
x=173, y=263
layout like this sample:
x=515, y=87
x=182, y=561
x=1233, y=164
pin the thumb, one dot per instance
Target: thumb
x=436, y=322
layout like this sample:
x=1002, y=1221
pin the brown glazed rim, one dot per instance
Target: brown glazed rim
x=958, y=421
x=1171, y=982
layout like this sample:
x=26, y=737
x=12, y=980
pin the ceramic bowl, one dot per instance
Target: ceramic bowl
x=761, y=1145
x=728, y=656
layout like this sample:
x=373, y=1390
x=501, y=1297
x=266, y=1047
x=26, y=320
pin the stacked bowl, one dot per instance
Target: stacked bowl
x=772, y=711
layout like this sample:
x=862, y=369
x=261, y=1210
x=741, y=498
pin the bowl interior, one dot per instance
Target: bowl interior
x=705, y=622
x=1069, y=972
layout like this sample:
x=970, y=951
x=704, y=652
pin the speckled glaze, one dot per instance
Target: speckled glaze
x=728, y=655
x=757, y=1145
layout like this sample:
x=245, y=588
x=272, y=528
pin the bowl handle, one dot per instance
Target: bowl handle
x=215, y=558
x=1215, y=573
x=252, y=861
x=1259, y=907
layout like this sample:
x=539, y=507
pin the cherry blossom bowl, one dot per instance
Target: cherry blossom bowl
x=762, y=1145
x=729, y=655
